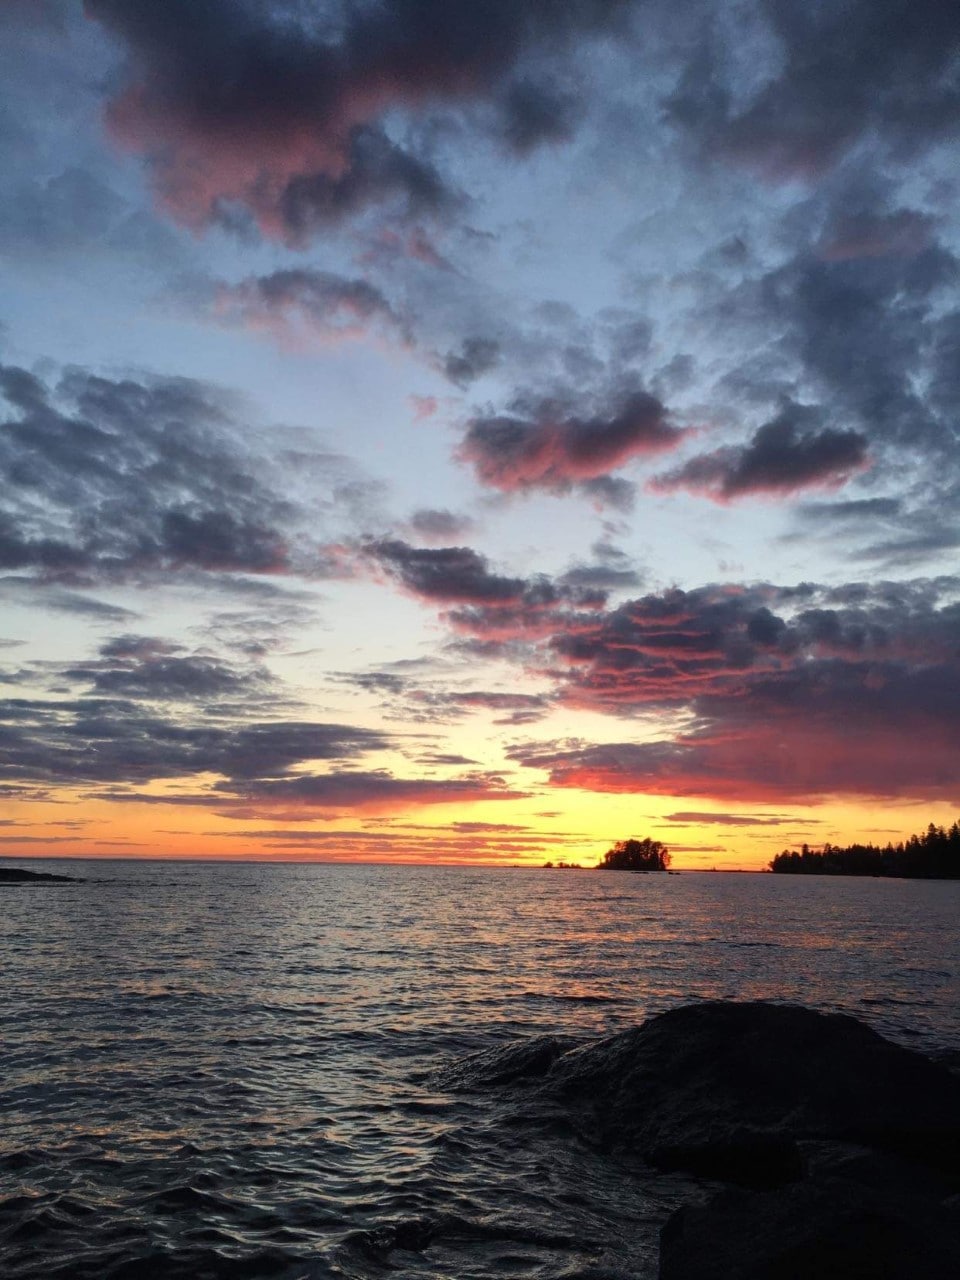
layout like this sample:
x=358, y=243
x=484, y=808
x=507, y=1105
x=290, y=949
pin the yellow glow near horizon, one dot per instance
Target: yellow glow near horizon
x=555, y=825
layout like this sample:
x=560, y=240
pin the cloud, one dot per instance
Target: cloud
x=374, y=791
x=514, y=708
x=437, y=525
x=794, y=760
x=554, y=449
x=600, y=577
x=828, y=78
x=28, y=590
x=783, y=693
x=478, y=601
x=110, y=479
x=241, y=103
x=853, y=510
x=534, y=114
x=379, y=840
x=734, y=819
x=450, y=575
x=476, y=357
x=165, y=678
x=868, y=234
x=781, y=458
x=117, y=740
x=298, y=304
x=865, y=334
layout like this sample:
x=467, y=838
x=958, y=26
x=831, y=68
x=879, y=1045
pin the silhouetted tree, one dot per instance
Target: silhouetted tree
x=636, y=855
x=933, y=856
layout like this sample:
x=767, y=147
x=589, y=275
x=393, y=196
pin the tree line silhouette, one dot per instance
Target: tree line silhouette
x=935, y=855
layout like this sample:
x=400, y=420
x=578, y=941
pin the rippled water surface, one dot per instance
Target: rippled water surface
x=225, y=1070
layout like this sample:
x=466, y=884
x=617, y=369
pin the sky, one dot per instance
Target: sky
x=478, y=432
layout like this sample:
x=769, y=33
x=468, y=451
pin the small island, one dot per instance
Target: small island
x=636, y=855
x=933, y=856
x=626, y=855
x=17, y=875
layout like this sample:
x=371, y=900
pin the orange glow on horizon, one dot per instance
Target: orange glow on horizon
x=557, y=825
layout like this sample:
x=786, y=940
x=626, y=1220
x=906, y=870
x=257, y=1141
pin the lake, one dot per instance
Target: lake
x=225, y=1070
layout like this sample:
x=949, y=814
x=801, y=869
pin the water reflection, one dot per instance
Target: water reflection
x=225, y=1062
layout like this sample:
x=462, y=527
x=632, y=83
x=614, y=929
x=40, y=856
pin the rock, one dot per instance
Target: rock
x=727, y=1090
x=830, y=1229
x=518, y=1060
x=17, y=875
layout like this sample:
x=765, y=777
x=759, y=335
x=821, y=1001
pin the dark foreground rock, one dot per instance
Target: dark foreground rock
x=849, y=1144
x=830, y=1229
x=16, y=875
x=728, y=1090
x=731, y=1091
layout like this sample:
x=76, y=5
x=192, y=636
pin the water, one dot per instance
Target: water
x=225, y=1070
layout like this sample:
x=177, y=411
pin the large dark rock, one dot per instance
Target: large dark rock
x=830, y=1229
x=728, y=1090
x=855, y=1139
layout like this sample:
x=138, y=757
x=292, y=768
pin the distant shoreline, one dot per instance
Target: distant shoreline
x=18, y=875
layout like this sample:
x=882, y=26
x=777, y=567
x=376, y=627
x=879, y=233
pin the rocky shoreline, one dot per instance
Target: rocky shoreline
x=821, y=1148
x=17, y=875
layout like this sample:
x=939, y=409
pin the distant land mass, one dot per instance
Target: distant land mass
x=933, y=856
x=17, y=875
x=627, y=855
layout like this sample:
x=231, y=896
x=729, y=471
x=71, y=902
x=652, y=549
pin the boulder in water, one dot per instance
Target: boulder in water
x=728, y=1090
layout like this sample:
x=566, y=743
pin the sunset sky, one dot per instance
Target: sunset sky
x=478, y=431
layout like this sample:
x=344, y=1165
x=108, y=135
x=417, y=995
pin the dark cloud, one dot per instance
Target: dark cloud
x=162, y=677
x=794, y=694
x=450, y=575
x=855, y=323
x=106, y=479
x=866, y=233
x=28, y=590
x=513, y=708
x=866, y=331
x=298, y=302
x=445, y=758
x=918, y=540
x=610, y=493
x=132, y=648
x=377, y=172
x=534, y=114
x=861, y=329
x=372, y=791
x=612, y=570
x=280, y=110
x=555, y=448
x=478, y=600
x=837, y=75
x=476, y=357
x=600, y=577
x=116, y=740
x=435, y=525
x=854, y=510
x=376, y=681
x=781, y=457
x=218, y=540
x=733, y=819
